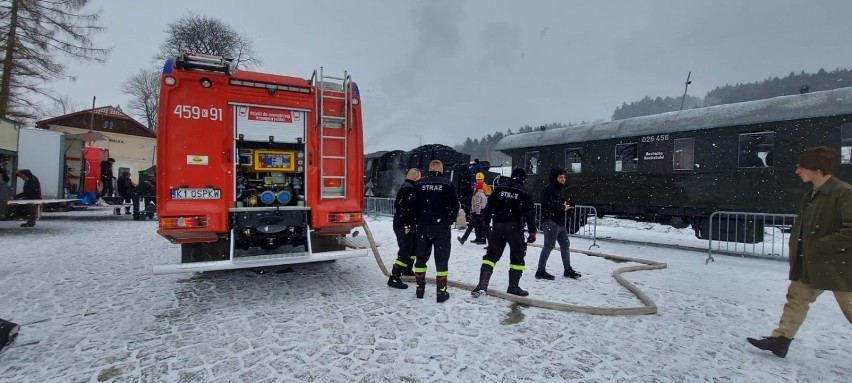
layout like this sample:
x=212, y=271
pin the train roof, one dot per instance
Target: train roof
x=817, y=104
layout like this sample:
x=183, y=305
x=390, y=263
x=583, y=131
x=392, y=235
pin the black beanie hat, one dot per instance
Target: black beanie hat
x=519, y=174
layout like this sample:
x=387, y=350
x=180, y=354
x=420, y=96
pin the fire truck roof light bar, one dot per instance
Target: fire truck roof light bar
x=205, y=62
x=262, y=85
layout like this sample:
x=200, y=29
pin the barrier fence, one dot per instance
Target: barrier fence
x=581, y=221
x=759, y=235
x=378, y=206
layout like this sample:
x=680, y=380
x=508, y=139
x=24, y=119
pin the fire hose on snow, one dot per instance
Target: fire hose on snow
x=648, y=306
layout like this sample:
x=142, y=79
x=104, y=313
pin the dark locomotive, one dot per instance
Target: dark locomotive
x=385, y=171
x=678, y=168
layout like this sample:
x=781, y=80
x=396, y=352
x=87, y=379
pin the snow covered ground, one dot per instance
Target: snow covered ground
x=91, y=311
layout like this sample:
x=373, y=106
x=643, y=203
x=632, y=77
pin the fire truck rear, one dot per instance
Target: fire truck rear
x=257, y=169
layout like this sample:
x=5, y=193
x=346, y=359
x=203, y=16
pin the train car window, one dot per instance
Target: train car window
x=574, y=160
x=531, y=162
x=626, y=157
x=846, y=144
x=683, y=154
x=755, y=150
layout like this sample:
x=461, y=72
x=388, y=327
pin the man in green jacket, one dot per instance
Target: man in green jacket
x=820, y=247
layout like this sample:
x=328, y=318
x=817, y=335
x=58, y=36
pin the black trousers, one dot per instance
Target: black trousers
x=437, y=237
x=406, y=243
x=478, y=225
x=502, y=233
x=108, y=189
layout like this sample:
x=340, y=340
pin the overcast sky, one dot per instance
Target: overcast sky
x=439, y=71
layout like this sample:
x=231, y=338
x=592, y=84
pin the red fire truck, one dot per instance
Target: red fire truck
x=257, y=169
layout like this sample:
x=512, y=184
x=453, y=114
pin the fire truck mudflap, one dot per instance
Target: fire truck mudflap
x=255, y=169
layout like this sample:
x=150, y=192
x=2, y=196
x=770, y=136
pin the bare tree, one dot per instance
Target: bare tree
x=144, y=88
x=36, y=35
x=62, y=105
x=207, y=35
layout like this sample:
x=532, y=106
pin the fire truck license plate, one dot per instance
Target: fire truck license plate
x=186, y=193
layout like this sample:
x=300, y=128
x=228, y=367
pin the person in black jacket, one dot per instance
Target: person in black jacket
x=5, y=189
x=403, y=228
x=436, y=206
x=510, y=206
x=126, y=189
x=145, y=197
x=32, y=190
x=107, y=177
x=553, y=210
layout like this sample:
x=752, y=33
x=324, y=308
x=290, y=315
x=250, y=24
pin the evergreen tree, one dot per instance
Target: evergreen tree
x=36, y=35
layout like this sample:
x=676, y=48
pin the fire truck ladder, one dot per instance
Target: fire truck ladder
x=333, y=131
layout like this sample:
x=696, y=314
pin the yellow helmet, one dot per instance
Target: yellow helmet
x=480, y=176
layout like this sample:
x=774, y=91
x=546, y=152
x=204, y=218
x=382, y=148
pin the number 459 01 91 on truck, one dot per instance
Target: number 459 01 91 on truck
x=257, y=169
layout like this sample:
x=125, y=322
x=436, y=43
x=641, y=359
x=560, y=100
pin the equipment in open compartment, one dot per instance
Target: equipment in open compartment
x=269, y=189
x=274, y=160
x=271, y=177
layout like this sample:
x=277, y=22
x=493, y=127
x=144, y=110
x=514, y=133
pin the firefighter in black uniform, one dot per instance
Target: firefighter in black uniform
x=403, y=228
x=436, y=206
x=510, y=206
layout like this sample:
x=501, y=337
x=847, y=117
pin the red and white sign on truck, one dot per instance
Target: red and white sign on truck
x=257, y=169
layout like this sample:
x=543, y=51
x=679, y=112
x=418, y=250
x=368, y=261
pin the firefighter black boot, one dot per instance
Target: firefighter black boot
x=409, y=270
x=420, y=280
x=441, y=282
x=394, y=280
x=484, y=277
x=514, y=279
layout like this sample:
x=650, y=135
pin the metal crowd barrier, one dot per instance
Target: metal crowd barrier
x=378, y=206
x=758, y=235
x=581, y=221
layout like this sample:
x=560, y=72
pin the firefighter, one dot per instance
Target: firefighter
x=436, y=206
x=403, y=228
x=510, y=206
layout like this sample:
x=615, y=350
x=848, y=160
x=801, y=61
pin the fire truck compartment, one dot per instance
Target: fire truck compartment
x=269, y=229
